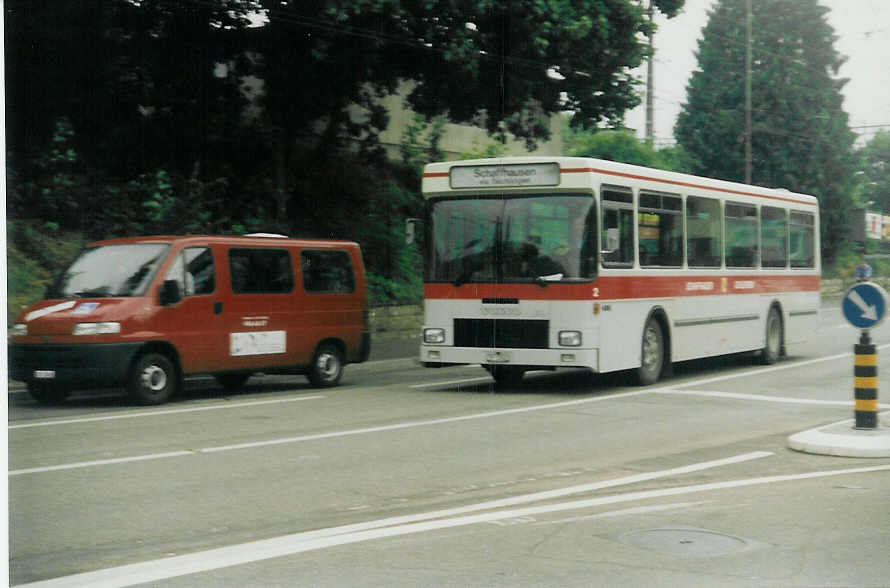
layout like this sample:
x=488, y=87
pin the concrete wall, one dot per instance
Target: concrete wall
x=392, y=323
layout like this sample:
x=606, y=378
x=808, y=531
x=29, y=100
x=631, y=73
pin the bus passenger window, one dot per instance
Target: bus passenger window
x=773, y=237
x=704, y=232
x=741, y=235
x=660, y=232
x=618, y=219
x=802, y=240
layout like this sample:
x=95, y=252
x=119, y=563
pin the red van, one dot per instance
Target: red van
x=144, y=312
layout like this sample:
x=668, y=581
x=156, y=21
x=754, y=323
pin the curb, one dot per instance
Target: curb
x=843, y=440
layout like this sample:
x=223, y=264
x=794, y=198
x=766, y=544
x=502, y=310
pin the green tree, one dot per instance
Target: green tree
x=800, y=135
x=623, y=146
x=875, y=171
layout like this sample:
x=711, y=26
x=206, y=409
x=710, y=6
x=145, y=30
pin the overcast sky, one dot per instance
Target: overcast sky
x=863, y=30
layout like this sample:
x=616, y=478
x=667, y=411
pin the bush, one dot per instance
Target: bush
x=35, y=254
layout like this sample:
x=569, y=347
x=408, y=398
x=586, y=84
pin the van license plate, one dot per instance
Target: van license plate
x=497, y=357
x=44, y=374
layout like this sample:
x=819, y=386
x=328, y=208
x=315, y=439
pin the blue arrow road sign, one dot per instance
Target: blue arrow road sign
x=864, y=305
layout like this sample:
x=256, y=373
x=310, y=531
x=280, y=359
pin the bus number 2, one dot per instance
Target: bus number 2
x=596, y=292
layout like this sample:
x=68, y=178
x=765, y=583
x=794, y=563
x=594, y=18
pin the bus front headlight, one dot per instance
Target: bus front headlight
x=570, y=338
x=96, y=328
x=434, y=336
x=19, y=330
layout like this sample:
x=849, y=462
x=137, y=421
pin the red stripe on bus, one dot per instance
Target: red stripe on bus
x=436, y=175
x=579, y=170
x=630, y=287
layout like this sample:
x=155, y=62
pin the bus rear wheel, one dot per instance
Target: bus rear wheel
x=651, y=353
x=772, y=345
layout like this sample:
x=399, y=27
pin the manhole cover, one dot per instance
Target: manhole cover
x=686, y=542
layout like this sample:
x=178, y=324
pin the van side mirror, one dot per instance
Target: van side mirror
x=411, y=226
x=613, y=240
x=170, y=293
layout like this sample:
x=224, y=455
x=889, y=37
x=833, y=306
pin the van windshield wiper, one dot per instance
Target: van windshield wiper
x=92, y=294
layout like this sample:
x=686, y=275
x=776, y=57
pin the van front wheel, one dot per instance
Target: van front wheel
x=154, y=379
x=326, y=367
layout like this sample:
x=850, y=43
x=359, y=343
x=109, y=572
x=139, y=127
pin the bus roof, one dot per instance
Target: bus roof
x=542, y=174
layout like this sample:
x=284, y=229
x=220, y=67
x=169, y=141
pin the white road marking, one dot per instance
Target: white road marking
x=763, y=398
x=132, y=415
x=469, y=417
x=479, y=380
x=625, y=512
x=245, y=553
x=99, y=462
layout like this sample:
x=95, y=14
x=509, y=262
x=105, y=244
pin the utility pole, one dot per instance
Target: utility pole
x=650, y=82
x=748, y=20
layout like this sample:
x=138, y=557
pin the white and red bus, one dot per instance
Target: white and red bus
x=541, y=263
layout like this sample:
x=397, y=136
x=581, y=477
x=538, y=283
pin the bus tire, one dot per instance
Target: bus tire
x=326, y=367
x=651, y=353
x=772, y=344
x=154, y=379
x=48, y=394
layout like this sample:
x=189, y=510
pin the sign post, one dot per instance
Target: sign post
x=865, y=306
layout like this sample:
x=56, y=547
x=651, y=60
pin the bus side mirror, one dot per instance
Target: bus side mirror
x=411, y=225
x=170, y=293
x=613, y=240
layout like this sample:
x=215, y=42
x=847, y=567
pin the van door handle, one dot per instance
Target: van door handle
x=217, y=308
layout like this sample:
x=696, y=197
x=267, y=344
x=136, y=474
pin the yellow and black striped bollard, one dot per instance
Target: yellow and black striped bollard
x=865, y=377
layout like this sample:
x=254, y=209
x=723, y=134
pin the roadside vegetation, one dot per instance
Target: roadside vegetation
x=123, y=128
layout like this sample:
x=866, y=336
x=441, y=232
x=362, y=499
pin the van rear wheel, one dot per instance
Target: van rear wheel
x=154, y=379
x=326, y=367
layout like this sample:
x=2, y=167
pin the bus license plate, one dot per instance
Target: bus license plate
x=44, y=374
x=497, y=357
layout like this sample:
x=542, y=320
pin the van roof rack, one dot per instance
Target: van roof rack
x=270, y=235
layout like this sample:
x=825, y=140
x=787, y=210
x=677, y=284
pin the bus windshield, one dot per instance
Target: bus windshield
x=521, y=238
x=110, y=270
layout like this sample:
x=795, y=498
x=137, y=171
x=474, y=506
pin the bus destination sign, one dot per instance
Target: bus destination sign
x=492, y=176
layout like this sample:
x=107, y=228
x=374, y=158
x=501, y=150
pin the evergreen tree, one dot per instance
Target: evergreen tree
x=800, y=135
x=875, y=176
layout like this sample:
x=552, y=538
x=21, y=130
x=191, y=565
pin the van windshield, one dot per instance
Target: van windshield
x=110, y=270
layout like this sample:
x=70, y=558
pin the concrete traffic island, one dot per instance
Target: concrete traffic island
x=844, y=440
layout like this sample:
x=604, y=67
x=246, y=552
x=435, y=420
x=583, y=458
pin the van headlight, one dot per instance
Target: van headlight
x=434, y=336
x=96, y=329
x=570, y=338
x=19, y=330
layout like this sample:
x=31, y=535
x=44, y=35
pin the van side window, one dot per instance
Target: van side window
x=193, y=271
x=327, y=271
x=260, y=271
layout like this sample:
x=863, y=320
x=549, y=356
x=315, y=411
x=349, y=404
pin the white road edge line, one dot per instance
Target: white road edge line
x=134, y=415
x=762, y=398
x=246, y=553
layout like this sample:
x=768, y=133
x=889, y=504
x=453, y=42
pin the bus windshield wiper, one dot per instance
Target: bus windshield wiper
x=542, y=281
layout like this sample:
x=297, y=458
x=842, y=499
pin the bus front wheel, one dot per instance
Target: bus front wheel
x=651, y=353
